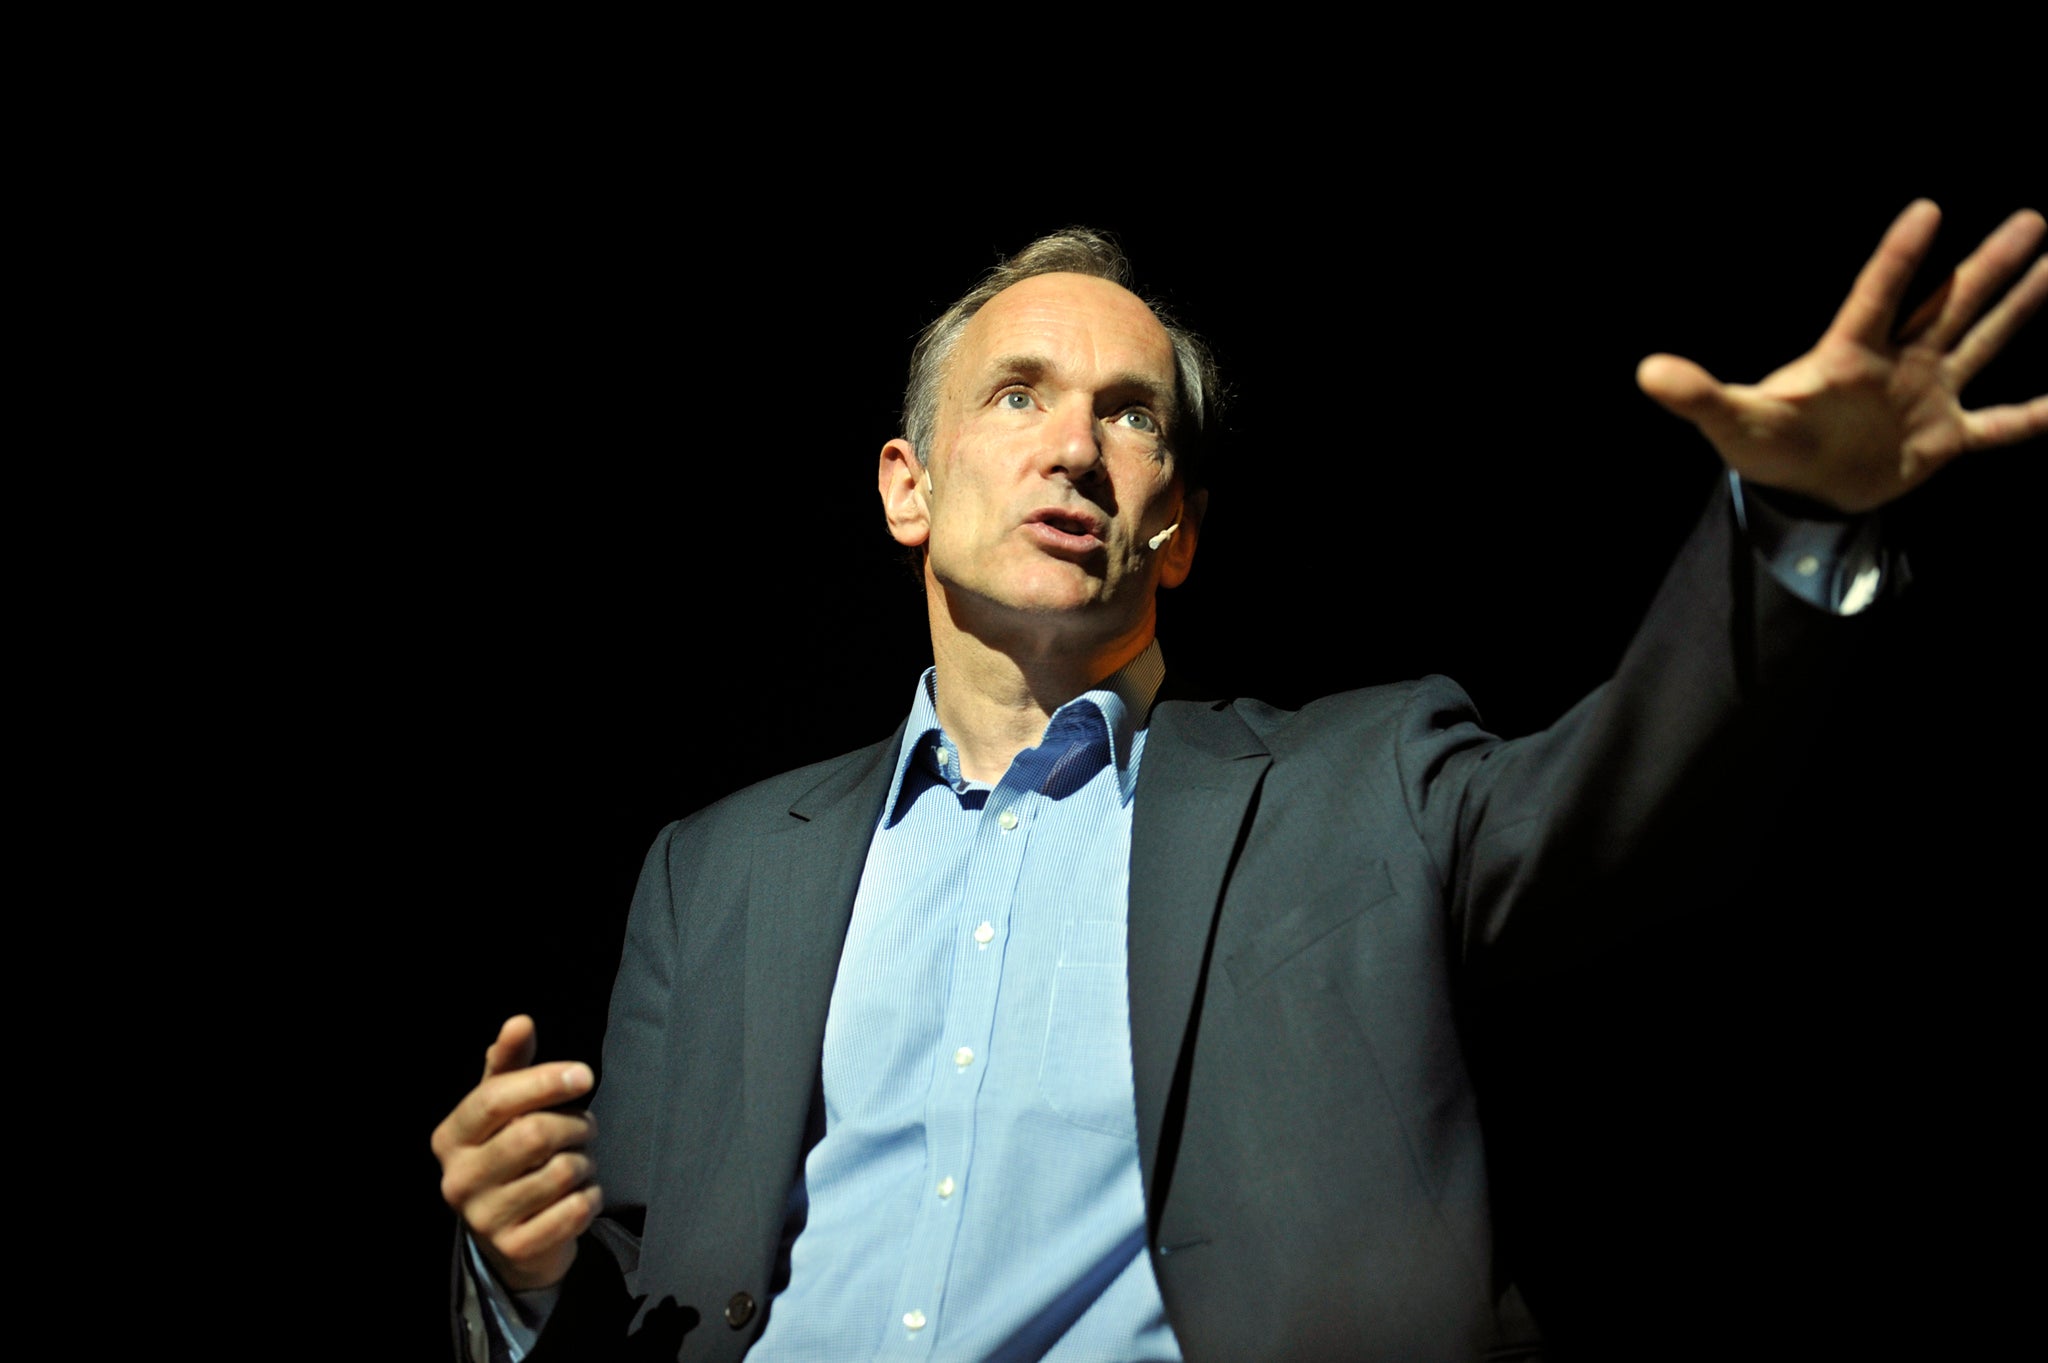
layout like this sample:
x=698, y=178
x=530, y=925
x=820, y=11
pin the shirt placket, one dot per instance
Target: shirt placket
x=981, y=927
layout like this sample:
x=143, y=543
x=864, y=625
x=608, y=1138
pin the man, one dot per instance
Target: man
x=1069, y=1024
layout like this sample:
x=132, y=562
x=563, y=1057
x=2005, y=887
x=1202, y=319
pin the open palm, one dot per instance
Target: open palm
x=1873, y=410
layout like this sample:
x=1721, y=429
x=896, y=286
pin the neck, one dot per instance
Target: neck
x=997, y=690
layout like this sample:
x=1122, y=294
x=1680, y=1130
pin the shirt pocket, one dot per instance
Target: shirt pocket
x=1084, y=1073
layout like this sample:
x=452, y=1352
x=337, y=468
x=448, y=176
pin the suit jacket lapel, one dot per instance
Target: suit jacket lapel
x=800, y=899
x=1201, y=768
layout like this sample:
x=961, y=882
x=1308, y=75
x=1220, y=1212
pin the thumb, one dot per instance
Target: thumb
x=514, y=1049
x=1684, y=389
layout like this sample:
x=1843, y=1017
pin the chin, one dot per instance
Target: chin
x=1060, y=593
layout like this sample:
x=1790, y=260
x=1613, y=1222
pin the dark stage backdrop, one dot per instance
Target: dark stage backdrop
x=605, y=433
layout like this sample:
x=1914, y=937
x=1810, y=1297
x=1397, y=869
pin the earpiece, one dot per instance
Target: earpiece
x=1164, y=535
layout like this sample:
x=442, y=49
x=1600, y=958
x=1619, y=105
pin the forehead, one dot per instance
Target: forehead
x=1077, y=322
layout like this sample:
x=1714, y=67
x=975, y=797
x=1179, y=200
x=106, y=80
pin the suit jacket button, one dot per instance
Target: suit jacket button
x=739, y=1310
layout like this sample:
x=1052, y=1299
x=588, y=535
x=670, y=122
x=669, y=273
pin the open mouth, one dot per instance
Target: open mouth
x=1068, y=522
x=1066, y=530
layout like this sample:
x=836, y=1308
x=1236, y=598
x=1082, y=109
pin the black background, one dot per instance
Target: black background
x=590, y=539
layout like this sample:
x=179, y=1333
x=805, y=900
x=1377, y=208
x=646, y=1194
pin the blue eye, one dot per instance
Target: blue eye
x=1138, y=419
x=1018, y=401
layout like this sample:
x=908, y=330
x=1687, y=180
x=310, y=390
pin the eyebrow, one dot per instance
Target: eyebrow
x=1033, y=368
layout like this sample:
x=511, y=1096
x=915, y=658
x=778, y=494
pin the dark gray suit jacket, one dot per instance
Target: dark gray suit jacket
x=1314, y=896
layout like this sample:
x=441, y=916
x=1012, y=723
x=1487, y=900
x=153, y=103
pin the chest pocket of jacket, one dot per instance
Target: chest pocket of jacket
x=1084, y=1073
x=1322, y=909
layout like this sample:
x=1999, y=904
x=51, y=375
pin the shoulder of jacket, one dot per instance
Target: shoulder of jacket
x=773, y=796
x=1431, y=702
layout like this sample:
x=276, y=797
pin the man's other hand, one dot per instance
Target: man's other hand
x=515, y=1171
x=1874, y=409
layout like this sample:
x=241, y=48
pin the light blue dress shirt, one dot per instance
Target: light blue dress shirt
x=976, y=1194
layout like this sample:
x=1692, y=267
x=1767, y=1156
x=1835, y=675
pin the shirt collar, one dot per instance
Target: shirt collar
x=1123, y=700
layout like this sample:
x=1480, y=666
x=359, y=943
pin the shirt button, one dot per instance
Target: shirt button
x=914, y=1319
x=964, y=1056
x=1808, y=565
x=1007, y=820
x=946, y=1186
x=985, y=934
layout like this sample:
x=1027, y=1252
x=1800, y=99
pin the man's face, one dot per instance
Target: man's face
x=1049, y=464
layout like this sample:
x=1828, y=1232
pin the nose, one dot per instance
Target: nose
x=1074, y=443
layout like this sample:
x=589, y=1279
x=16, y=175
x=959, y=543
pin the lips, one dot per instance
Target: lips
x=1073, y=529
x=1073, y=522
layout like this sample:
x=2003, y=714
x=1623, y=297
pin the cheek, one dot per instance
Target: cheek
x=966, y=494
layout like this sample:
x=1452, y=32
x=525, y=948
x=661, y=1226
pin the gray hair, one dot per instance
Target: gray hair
x=1077, y=250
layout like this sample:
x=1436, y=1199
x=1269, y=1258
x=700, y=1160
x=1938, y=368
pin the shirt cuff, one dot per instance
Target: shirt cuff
x=516, y=1317
x=1838, y=565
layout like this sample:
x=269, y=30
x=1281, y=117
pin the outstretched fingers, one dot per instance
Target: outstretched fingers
x=1989, y=336
x=2008, y=425
x=1868, y=414
x=1866, y=314
x=1975, y=283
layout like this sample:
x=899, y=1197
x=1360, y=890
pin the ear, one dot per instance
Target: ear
x=905, y=502
x=1177, y=555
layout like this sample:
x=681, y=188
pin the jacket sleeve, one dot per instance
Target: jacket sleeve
x=597, y=1305
x=1659, y=778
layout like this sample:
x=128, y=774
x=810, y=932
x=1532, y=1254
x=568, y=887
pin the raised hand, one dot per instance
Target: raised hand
x=515, y=1171
x=1873, y=410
